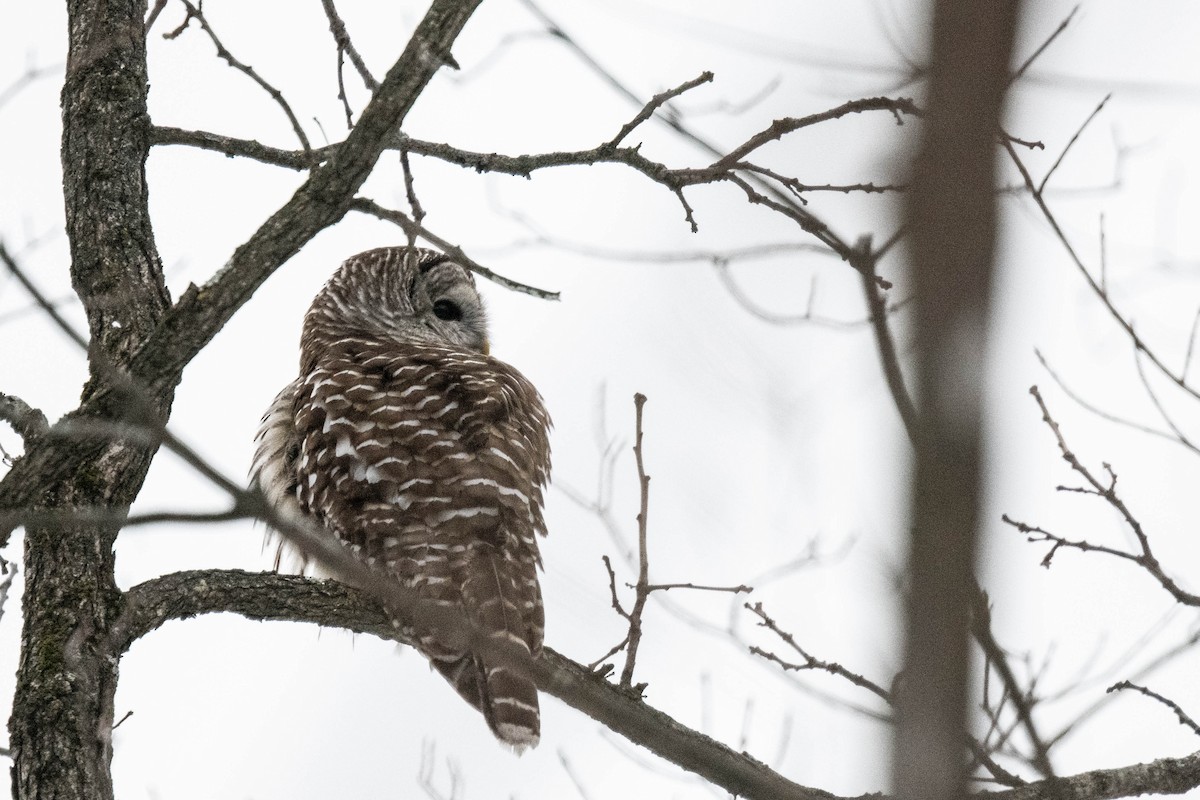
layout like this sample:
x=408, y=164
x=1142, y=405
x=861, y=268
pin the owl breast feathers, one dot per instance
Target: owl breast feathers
x=427, y=458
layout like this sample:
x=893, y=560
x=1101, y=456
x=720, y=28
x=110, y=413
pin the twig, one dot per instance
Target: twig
x=23, y=81
x=340, y=36
x=809, y=661
x=414, y=205
x=654, y=104
x=193, y=12
x=1099, y=289
x=1062, y=26
x=865, y=262
x=730, y=168
x=405, y=223
x=1162, y=411
x=572, y=775
x=808, y=317
x=152, y=17
x=981, y=629
x=43, y=302
x=1191, y=346
x=643, y=581
x=1071, y=142
x=1145, y=559
x=1184, y=719
x=664, y=587
x=1106, y=415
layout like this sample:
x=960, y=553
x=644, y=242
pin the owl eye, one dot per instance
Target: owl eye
x=447, y=310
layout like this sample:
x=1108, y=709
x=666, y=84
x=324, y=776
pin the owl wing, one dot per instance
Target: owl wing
x=430, y=463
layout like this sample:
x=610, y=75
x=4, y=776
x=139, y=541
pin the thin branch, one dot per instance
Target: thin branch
x=366, y=206
x=1184, y=719
x=43, y=302
x=270, y=596
x=981, y=630
x=1107, y=491
x=808, y=317
x=776, y=198
x=1062, y=26
x=654, y=104
x=1106, y=415
x=663, y=587
x=1191, y=346
x=643, y=581
x=31, y=75
x=410, y=192
x=898, y=106
x=1097, y=288
x=194, y=12
x=152, y=17
x=809, y=661
x=243, y=148
x=1162, y=410
x=1071, y=142
x=889, y=359
x=342, y=38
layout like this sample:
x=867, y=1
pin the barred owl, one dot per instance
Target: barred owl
x=425, y=456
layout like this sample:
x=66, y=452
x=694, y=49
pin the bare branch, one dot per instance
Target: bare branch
x=31, y=75
x=1025, y=65
x=655, y=104
x=414, y=229
x=889, y=359
x=194, y=12
x=1108, y=492
x=663, y=587
x=1071, y=142
x=809, y=662
x=1106, y=415
x=981, y=629
x=1184, y=719
x=270, y=596
x=643, y=581
x=342, y=39
x=1097, y=288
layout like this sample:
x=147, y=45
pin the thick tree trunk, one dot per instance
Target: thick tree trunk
x=63, y=709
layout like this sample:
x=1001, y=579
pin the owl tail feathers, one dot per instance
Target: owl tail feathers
x=507, y=699
x=493, y=680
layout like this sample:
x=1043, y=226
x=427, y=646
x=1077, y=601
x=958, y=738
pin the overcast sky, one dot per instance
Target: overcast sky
x=766, y=441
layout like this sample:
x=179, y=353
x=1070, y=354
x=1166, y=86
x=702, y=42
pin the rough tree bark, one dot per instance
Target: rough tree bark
x=951, y=217
x=63, y=708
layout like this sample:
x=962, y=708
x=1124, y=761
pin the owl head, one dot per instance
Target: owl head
x=405, y=294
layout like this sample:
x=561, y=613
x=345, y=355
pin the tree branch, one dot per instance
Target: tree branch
x=269, y=596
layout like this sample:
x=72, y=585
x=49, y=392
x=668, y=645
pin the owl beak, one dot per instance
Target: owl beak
x=487, y=347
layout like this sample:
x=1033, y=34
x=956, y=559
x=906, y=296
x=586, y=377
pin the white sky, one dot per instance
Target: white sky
x=760, y=438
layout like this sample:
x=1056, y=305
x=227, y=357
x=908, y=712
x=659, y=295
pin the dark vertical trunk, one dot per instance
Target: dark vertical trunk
x=63, y=709
x=952, y=219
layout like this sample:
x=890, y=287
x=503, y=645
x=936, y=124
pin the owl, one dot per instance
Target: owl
x=426, y=457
